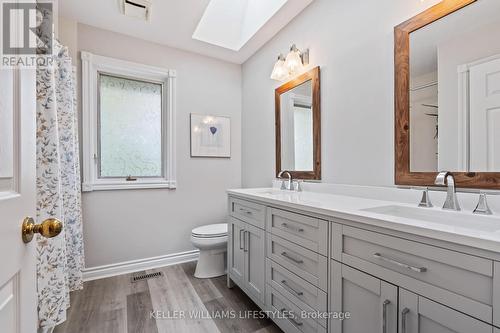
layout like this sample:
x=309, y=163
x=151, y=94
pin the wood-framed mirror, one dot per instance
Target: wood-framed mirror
x=298, y=126
x=447, y=95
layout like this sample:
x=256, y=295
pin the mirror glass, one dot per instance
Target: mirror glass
x=296, y=118
x=455, y=92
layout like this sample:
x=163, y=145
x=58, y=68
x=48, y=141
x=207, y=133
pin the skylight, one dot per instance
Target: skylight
x=231, y=23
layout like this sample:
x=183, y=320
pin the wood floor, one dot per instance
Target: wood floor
x=117, y=305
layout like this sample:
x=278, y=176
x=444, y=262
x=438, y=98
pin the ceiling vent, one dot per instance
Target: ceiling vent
x=140, y=9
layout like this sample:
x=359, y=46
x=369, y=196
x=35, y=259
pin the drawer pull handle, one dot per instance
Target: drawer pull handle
x=242, y=244
x=296, y=323
x=285, y=225
x=245, y=211
x=384, y=315
x=400, y=264
x=404, y=314
x=246, y=238
x=298, y=293
x=284, y=254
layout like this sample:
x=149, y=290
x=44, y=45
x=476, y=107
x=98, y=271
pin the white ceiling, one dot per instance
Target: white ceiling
x=173, y=23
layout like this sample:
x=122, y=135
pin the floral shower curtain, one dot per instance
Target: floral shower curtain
x=60, y=259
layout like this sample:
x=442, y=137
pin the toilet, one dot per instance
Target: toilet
x=211, y=240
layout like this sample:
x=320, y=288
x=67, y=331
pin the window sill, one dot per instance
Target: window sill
x=121, y=185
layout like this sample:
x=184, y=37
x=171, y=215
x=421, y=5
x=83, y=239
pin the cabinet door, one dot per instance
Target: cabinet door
x=371, y=303
x=255, y=262
x=418, y=314
x=236, y=254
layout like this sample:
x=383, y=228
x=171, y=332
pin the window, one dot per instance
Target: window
x=128, y=125
x=130, y=131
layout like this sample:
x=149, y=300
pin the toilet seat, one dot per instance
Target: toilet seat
x=210, y=231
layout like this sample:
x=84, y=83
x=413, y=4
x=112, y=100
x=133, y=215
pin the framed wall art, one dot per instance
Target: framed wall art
x=210, y=136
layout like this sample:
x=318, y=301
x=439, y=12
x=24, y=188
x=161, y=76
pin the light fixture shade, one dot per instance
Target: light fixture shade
x=280, y=71
x=293, y=61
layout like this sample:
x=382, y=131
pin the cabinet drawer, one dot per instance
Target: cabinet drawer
x=309, y=232
x=289, y=317
x=301, y=292
x=305, y=263
x=247, y=211
x=463, y=281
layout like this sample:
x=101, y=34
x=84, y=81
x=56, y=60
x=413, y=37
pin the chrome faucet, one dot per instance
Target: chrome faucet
x=289, y=181
x=445, y=178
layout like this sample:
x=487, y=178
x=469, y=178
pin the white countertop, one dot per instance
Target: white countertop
x=482, y=232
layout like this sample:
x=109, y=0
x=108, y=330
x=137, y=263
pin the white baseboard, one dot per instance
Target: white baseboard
x=99, y=272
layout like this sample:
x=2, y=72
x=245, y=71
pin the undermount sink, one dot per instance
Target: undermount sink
x=435, y=215
x=274, y=192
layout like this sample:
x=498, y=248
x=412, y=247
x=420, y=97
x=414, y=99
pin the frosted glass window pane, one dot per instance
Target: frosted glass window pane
x=130, y=127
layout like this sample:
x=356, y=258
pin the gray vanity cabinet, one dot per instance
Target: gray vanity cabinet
x=255, y=264
x=387, y=281
x=246, y=264
x=418, y=314
x=236, y=253
x=371, y=302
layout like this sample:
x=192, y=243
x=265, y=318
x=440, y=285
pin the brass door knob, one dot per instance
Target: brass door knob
x=49, y=228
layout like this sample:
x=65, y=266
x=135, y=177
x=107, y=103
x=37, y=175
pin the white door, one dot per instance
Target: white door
x=485, y=117
x=17, y=200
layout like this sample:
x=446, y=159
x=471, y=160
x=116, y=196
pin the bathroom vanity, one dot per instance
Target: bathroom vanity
x=393, y=267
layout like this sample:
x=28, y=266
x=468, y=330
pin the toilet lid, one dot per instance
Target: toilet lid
x=211, y=230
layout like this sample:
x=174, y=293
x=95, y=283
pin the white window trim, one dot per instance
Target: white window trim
x=92, y=65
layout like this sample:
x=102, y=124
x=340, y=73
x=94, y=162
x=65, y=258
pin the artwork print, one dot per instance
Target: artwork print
x=210, y=136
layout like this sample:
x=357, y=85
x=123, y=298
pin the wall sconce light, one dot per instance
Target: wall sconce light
x=280, y=71
x=292, y=64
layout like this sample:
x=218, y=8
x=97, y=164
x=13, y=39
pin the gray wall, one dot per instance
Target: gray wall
x=135, y=224
x=352, y=41
x=353, y=46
